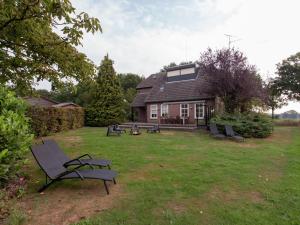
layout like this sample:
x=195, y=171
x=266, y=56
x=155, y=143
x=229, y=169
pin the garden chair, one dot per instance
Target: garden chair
x=52, y=164
x=230, y=133
x=112, y=131
x=215, y=132
x=135, y=130
x=153, y=129
x=118, y=128
x=83, y=159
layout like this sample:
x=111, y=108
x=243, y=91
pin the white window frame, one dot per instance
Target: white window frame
x=203, y=110
x=155, y=109
x=161, y=109
x=188, y=113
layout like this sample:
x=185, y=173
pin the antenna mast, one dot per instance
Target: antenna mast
x=230, y=41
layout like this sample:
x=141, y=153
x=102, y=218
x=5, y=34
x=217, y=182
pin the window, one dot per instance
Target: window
x=153, y=111
x=184, y=110
x=164, y=110
x=199, y=110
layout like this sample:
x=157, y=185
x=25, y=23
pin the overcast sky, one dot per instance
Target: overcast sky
x=142, y=35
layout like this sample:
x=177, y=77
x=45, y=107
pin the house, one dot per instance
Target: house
x=46, y=102
x=174, y=96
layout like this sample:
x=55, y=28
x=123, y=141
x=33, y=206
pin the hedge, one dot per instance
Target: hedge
x=248, y=125
x=47, y=120
x=15, y=135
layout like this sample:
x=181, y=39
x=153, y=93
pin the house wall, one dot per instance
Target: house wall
x=174, y=111
x=141, y=114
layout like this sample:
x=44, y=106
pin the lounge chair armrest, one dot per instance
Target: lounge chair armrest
x=79, y=157
x=66, y=164
x=75, y=170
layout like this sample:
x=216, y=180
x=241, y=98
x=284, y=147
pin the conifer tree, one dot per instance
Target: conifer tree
x=107, y=105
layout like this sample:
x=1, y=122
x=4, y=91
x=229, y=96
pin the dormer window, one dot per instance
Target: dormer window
x=180, y=73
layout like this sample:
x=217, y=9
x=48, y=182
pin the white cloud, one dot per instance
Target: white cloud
x=141, y=37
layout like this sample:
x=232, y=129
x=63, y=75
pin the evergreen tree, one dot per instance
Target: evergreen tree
x=107, y=105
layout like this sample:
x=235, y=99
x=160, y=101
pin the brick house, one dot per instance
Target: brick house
x=173, y=96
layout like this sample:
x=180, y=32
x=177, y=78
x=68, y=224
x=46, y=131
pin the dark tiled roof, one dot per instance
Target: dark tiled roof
x=150, y=81
x=40, y=101
x=178, y=91
x=164, y=91
x=139, y=100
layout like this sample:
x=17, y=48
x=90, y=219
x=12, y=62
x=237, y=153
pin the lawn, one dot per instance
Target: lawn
x=178, y=178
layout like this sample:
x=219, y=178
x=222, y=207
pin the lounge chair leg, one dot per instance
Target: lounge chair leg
x=114, y=181
x=46, y=186
x=106, y=188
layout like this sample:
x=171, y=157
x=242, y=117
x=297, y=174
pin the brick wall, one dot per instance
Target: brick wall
x=174, y=111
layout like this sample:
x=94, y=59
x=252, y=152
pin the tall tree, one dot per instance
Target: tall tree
x=128, y=83
x=107, y=105
x=288, y=80
x=275, y=98
x=129, y=80
x=31, y=50
x=230, y=77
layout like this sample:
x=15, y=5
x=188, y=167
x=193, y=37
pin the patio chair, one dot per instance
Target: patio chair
x=83, y=159
x=230, y=133
x=52, y=164
x=215, y=132
x=135, y=130
x=112, y=131
x=153, y=129
x=116, y=127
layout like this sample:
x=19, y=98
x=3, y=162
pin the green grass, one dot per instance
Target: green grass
x=183, y=178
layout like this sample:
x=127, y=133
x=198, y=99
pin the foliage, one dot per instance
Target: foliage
x=230, y=77
x=108, y=101
x=17, y=217
x=288, y=80
x=15, y=137
x=128, y=84
x=47, y=120
x=172, y=64
x=248, y=125
x=31, y=50
x=81, y=93
x=129, y=80
x=275, y=99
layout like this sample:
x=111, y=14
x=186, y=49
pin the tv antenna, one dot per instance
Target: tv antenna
x=230, y=40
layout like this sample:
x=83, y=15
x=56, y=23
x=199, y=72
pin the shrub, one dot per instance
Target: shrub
x=15, y=136
x=248, y=125
x=47, y=120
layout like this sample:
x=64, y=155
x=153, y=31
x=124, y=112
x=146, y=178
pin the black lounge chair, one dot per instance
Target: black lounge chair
x=230, y=133
x=52, y=164
x=153, y=129
x=83, y=159
x=135, y=130
x=111, y=131
x=215, y=132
